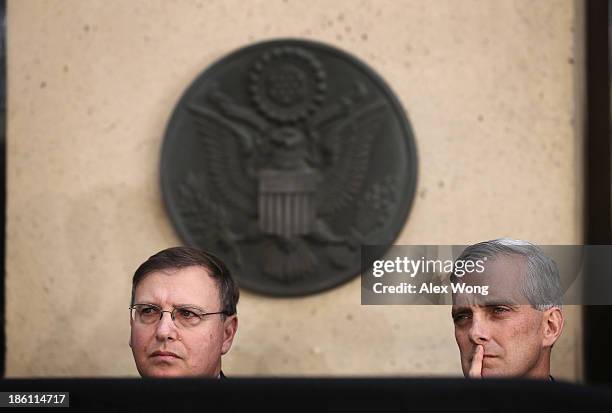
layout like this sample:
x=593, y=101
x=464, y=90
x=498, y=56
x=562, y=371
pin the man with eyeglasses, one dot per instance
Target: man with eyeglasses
x=183, y=314
x=510, y=331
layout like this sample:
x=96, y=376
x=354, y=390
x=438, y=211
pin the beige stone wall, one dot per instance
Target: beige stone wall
x=490, y=88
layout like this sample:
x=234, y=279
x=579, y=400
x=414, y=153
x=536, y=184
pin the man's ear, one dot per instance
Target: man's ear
x=552, y=326
x=131, y=326
x=230, y=325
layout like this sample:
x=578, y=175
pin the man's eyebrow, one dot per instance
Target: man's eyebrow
x=192, y=306
x=499, y=303
x=460, y=310
x=195, y=307
x=486, y=304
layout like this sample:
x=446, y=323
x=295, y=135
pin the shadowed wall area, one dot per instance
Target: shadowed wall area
x=492, y=89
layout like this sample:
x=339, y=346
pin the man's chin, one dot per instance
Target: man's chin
x=168, y=372
x=163, y=371
x=494, y=367
x=165, y=374
x=493, y=373
x=497, y=373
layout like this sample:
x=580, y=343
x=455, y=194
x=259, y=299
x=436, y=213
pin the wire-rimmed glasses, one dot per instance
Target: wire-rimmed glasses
x=184, y=316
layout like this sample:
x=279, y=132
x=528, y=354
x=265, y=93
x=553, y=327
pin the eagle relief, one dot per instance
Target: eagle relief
x=284, y=158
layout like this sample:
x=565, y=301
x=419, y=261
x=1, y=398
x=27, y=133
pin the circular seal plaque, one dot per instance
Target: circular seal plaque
x=284, y=158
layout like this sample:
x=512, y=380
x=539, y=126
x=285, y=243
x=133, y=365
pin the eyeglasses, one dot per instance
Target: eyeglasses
x=187, y=317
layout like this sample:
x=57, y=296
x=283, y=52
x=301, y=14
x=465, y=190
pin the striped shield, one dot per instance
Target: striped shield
x=286, y=201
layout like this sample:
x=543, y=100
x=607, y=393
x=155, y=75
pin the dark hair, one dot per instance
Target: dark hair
x=181, y=257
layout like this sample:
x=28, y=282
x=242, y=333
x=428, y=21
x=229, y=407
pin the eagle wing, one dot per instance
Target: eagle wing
x=349, y=144
x=228, y=154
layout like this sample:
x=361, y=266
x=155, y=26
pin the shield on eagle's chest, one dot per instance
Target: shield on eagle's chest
x=286, y=202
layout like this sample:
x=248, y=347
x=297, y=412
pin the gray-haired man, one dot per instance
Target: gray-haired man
x=510, y=331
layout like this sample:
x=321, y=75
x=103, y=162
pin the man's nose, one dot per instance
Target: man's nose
x=166, y=329
x=480, y=331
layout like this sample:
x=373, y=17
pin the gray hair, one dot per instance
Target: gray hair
x=541, y=286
